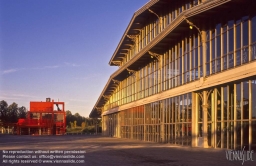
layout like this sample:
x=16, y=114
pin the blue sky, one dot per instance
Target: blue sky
x=60, y=49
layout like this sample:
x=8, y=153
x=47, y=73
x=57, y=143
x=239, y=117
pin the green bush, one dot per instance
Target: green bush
x=89, y=129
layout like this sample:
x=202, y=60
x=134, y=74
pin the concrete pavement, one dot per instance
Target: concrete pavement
x=115, y=151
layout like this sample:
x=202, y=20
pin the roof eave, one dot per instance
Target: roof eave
x=136, y=14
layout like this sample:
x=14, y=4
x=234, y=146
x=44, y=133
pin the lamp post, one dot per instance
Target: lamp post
x=205, y=94
x=202, y=35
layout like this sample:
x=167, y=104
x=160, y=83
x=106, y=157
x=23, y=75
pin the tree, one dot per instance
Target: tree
x=76, y=117
x=22, y=112
x=79, y=119
x=75, y=124
x=68, y=113
x=71, y=125
x=69, y=118
x=3, y=111
x=12, y=113
x=83, y=125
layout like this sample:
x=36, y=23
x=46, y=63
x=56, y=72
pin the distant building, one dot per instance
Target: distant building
x=44, y=118
x=186, y=76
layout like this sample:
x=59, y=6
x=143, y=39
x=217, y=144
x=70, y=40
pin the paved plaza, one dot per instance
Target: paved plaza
x=115, y=151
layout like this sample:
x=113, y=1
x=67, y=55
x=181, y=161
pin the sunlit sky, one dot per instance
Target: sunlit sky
x=60, y=49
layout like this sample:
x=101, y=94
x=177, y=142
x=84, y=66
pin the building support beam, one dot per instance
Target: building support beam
x=117, y=63
x=144, y=124
x=116, y=81
x=194, y=125
x=154, y=55
x=162, y=131
x=159, y=18
x=204, y=95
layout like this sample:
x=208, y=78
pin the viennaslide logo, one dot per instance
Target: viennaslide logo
x=239, y=155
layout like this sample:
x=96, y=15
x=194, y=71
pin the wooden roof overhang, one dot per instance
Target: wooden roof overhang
x=173, y=31
x=136, y=24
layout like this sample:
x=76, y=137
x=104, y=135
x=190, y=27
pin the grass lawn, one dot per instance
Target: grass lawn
x=74, y=130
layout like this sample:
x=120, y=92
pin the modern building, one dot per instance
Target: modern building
x=186, y=76
x=44, y=118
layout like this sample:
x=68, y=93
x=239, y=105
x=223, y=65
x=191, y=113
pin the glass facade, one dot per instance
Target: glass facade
x=229, y=43
x=167, y=121
x=231, y=115
x=179, y=65
x=222, y=113
x=231, y=118
x=177, y=115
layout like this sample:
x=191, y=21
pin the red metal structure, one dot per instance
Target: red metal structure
x=44, y=118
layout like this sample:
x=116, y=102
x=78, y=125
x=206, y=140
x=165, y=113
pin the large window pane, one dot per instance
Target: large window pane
x=200, y=111
x=218, y=49
x=225, y=102
x=208, y=51
x=218, y=26
x=189, y=106
x=253, y=50
x=245, y=100
x=181, y=112
x=231, y=40
x=254, y=29
x=254, y=135
x=238, y=36
x=238, y=58
x=218, y=104
x=224, y=60
x=209, y=134
x=213, y=66
x=196, y=57
x=224, y=130
x=231, y=102
x=207, y=68
x=213, y=48
x=218, y=65
x=238, y=101
x=201, y=55
x=231, y=60
x=225, y=43
x=245, y=135
x=230, y=23
x=245, y=55
x=196, y=41
x=253, y=93
x=218, y=133
x=238, y=135
x=231, y=135
x=245, y=31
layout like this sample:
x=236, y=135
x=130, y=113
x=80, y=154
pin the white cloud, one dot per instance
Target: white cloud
x=72, y=64
x=36, y=68
x=9, y=71
x=47, y=67
x=22, y=95
x=12, y=95
x=22, y=99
